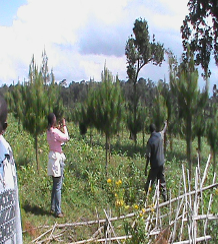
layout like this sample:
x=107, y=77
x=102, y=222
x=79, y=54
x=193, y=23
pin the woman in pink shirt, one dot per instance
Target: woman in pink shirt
x=56, y=138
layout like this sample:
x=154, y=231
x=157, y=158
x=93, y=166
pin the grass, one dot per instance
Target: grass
x=86, y=190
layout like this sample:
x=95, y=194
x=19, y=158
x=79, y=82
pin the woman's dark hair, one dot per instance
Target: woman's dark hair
x=3, y=113
x=51, y=120
x=152, y=128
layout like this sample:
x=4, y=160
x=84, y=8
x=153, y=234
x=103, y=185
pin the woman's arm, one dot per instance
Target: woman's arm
x=62, y=136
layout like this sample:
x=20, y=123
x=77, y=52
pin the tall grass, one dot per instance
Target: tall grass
x=86, y=190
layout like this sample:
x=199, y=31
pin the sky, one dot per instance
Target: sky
x=80, y=37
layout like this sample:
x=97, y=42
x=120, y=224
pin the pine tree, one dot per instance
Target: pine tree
x=184, y=84
x=105, y=108
x=38, y=100
x=35, y=110
x=140, y=51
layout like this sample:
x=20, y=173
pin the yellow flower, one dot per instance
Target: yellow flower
x=143, y=210
x=109, y=181
x=149, y=189
x=216, y=191
x=136, y=206
x=115, y=195
x=119, y=182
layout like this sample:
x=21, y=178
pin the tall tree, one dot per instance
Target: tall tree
x=106, y=107
x=185, y=86
x=200, y=31
x=35, y=110
x=140, y=51
x=38, y=100
x=199, y=128
x=171, y=98
x=44, y=68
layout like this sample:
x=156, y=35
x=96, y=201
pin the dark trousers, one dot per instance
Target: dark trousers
x=157, y=174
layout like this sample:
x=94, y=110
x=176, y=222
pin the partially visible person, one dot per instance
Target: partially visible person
x=155, y=155
x=56, y=138
x=10, y=219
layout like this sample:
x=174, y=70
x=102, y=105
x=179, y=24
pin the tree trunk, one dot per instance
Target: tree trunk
x=90, y=137
x=165, y=143
x=199, y=148
x=37, y=158
x=189, y=143
x=134, y=108
x=106, y=154
x=214, y=161
x=109, y=150
x=143, y=137
x=171, y=142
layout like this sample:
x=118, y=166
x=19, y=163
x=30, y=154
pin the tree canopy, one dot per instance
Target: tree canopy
x=140, y=51
x=200, y=31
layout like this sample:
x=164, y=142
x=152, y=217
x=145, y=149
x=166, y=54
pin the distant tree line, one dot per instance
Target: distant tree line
x=190, y=112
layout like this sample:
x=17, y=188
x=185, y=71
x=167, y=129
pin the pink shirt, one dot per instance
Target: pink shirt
x=55, y=138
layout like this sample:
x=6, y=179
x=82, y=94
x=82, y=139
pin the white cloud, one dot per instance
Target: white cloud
x=79, y=36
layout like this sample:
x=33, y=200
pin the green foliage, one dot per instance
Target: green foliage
x=212, y=137
x=159, y=110
x=200, y=32
x=108, y=105
x=55, y=102
x=86, y=190
x=104, y=108
x=140, y=51
x=32, y=101
x=136, y=230
x=15, y=102
x=35, y=111
x=184, y=83
x=135, y=125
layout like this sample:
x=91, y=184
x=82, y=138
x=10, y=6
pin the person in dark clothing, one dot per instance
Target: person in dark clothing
x=155, y=155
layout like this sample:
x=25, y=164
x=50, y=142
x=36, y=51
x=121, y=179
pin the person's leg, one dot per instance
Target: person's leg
x=161, y=178
x=151, y=178
x=53, y=196
x=57, y=183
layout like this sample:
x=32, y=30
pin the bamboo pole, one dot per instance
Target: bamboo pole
x=188, y=202
x=206, y=170
x=209, y=205
x=199, y=239
x=111, y=225
x=176, y=218
x=102, y=239
x=42, y=235
x=52, y=231
x=147, y=210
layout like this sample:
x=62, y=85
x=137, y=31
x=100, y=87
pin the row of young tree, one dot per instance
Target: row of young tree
x=108, y=104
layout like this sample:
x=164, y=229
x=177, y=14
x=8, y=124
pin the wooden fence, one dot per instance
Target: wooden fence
x=180, y=220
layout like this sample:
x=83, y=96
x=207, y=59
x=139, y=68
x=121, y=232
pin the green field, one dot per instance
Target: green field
x=87, y=191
